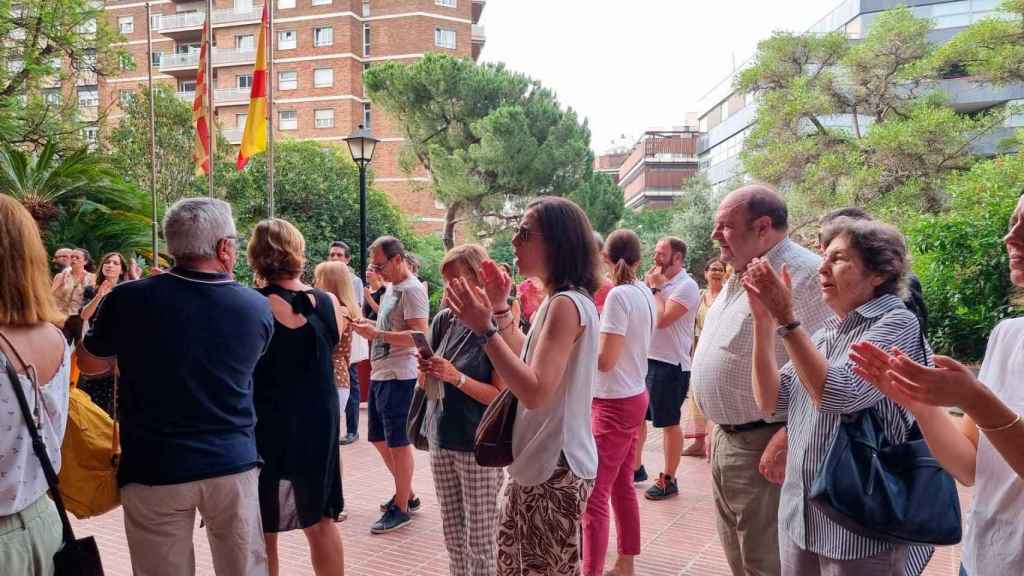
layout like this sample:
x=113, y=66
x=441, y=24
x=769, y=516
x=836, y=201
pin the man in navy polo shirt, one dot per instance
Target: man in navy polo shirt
x=185, y=343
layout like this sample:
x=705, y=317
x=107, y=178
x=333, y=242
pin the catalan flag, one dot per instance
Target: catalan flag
x=201, y=111
x=254, y=139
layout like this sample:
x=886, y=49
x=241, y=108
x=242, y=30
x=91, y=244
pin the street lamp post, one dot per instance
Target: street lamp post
x=361, y=145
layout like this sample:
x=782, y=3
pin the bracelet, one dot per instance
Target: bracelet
x=504, y=312
x=506, y=326
x=1012, y=423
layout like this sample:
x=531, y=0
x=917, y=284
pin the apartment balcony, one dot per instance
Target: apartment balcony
x=478, y=8
x=188, y=96
x=228, y=96
x=187, y=64
x=232, y=135
x=189, y=25
x=479, y=39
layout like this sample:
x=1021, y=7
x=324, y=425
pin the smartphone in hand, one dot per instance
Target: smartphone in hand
x=422, y=346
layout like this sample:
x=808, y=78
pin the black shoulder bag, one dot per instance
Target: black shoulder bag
x=77, y=557
x=890, y=491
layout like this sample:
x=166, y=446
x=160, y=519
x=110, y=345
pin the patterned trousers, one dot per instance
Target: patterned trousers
x=468, y=496
x=539, y=529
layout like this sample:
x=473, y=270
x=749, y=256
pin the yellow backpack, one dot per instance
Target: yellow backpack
x=89, y=457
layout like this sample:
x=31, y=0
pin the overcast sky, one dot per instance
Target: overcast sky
x=643, y=64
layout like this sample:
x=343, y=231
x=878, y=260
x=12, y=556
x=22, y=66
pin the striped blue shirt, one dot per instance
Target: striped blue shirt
x=886, y=322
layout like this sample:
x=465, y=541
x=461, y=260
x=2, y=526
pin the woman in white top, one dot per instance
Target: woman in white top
x=30, y=528
x=553, y=446
x=619, y=406
x=992, y=403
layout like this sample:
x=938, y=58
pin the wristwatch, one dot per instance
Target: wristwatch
x=461, y=382
x=491, y=331
x=787, y=329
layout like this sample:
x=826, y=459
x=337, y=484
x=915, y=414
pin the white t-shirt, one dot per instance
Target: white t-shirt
x=400, y=303
x=628, y=312
x=994, y=540
x=673, y=343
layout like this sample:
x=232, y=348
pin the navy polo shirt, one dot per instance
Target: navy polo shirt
x=186, y=344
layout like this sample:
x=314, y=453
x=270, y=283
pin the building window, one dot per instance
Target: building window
x=321, y=2
x=87, y=61
x=240, y=120
x=366, y=39
x=287, y=120
x=323, y=118
x=366, y=8
x=448, y=3
x=366, y=115
x=287, y=80
x=243, y=81
x=323, y=77
x=90, y=134
x=124, y=97
x=154, y=22
x=88, y=95
x=187, y=86
x=444, y=38
x=157, y=57
x=286, y=40
x=51, y=96
x=323, y=36
x=243, y=5
x=87, y=27
x=126, y=62
x=366, y=66
x=285, y=4
x=126, y=24
x=245, y=42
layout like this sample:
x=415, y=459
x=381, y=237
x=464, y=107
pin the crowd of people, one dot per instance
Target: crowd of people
x=231, y=399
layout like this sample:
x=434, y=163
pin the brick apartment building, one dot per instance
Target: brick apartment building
x=651, y=174
x=320, y=50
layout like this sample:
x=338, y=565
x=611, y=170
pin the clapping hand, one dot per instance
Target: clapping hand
x=105, y=287
x=471, y=304
x=497, y=284
x=912, y=385
x=769, y=292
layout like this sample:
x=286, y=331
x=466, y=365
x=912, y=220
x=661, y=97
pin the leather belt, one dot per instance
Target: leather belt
x=734, y=428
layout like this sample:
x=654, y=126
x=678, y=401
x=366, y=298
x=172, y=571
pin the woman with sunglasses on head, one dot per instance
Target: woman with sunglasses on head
x=986, y=449
x=555, y=458
x=114, y=269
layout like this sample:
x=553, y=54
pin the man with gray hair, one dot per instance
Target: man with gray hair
x=185, y=343
x=751, y=222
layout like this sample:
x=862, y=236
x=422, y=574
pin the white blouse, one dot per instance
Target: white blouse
x=22, y=481
x=994, y=540
x=541, y=435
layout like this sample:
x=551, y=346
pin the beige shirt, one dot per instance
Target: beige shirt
x=720, y=376
x=70, y=294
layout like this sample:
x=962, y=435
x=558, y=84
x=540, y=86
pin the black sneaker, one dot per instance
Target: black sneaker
x=639, y=475
x=664, y=487
x=393, y=519
x=348, y=439
x=414, y=504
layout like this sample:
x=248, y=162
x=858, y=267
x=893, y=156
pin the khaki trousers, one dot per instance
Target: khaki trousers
x=747, y=504
x=158, y=522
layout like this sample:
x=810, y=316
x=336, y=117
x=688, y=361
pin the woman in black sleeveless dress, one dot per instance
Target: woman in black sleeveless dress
x=296, y=403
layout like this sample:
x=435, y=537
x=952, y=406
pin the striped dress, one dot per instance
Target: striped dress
x=886, y=322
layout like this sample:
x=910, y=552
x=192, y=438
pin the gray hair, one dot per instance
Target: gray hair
x=881, y=247
x=193, y=226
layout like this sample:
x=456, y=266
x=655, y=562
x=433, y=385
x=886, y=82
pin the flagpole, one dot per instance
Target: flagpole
x=210, y=123
x=152, y=133
x=270, y=109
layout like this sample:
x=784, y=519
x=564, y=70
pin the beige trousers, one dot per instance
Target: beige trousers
x=747, y=503
x=158, y=522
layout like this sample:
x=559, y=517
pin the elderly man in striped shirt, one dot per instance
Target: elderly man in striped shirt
x=751, y=222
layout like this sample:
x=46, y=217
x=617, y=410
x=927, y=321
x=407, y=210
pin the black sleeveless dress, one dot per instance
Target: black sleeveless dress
x=297, y=417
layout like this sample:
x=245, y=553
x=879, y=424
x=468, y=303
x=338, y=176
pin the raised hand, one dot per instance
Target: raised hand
x=774, y=291
x=950, y=383
x=873, y=365
x=497, y=284
x=655, y=278
x=470, y=303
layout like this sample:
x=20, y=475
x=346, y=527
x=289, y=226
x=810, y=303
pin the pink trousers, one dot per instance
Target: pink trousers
x=615, y=425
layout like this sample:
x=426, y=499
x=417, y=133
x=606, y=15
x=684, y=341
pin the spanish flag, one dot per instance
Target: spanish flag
x=200, y=111
x=254, y=139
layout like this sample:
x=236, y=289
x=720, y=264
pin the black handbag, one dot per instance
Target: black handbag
x=417, y=413
x=896, y=492
x=76, y=557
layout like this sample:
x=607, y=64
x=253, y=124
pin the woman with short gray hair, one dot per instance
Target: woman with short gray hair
x=863, y=272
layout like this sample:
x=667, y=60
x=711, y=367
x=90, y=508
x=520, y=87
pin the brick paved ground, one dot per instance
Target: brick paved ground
x=679, y=535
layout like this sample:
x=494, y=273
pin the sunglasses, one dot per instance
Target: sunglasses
x=523, y=233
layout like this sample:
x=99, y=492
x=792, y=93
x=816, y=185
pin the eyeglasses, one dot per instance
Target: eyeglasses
x=523, y=233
